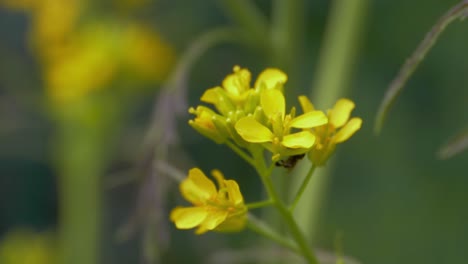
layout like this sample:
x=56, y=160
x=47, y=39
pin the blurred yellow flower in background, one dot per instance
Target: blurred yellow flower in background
x=23, y=5
x=52, y=21
x=88, y=63
x=221, y=209
x=80, y=54
x=27, y=247
x=145, y=53
x=103, y=52
x=339, y=129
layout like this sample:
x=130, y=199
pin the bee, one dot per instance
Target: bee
x=290, y=162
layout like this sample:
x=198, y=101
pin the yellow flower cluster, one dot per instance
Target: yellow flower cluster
x=256, y=117
x=221, y=209
x=338, y=129
x=80, y=56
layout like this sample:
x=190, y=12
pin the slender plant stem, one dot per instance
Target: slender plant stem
x=294, y=229
x=80, y=210
x=171, y=171
x=260, y=204
x=336, y=62
x=286, y=215
x=301, y=190
x=81, y=157
x=395, y=88
x=287, y=33
x=264, y=230
x=455, y=146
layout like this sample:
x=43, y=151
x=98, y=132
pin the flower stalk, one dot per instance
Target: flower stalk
x=254, y=123
x=296, y=233
x=301, y=190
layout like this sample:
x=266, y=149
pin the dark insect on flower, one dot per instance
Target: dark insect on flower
x=290, y=162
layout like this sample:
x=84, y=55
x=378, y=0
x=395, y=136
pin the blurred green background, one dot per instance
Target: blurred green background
x=390, y=200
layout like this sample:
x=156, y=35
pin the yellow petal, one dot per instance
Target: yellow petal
x=218, y=175
x=238, y=82
x=340, y=113
x=235, y=196
x=303, y=139
x=233, y=223
x=197, y=188
x=348, y=130
x=204, y=119
x=270, y=77
x=188, y=217
x=211, y=96
x=309, y=120
x=273, y=102
x=214, y=219
x=201, y=230
x=306, y=104
x=252, y=131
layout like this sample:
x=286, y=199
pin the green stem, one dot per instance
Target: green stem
x=85, y=136
x=455, y=146
x=301, y=190
x=264, y=230
x=338, y=52
x=287, y=216
x=395, y=88
x=336, y=62
x=285, y=52
x=171, y=171
x=80, y=164
x=294, y=229
x=260, y=204
x=287, y=31
x=80, y=212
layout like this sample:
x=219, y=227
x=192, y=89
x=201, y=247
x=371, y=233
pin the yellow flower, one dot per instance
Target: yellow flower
x=145, y=53
x=101, y=52
x=277, y=135
x=53, y=22
x=339, y=129
x=204, y=123
x=88, y=64
x=233, y=100
x=236, y=93
x=212, y=210
x=236, y=87
x=19, y=4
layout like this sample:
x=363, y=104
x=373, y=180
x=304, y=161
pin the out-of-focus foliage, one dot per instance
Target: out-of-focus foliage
x=28, y=247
